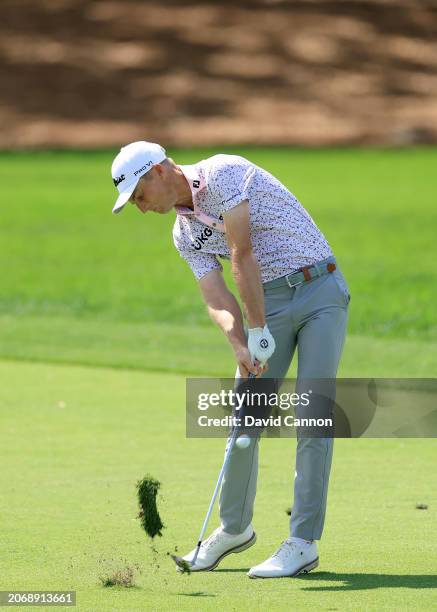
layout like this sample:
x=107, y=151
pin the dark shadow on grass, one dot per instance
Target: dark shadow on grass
x=238, y=569
x=197, y=594
x=120, y=587
x=359, y=582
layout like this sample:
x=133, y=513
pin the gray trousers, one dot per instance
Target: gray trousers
x=313, y=318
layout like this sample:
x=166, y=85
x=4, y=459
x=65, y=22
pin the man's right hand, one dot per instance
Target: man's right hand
x=246, y=366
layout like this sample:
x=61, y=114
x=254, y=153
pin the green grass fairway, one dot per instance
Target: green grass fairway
x=74, y=442
x=100, y=323
x=84, y=286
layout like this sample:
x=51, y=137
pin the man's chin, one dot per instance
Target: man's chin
x=159, y=211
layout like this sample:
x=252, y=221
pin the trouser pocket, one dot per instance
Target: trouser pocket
x=342, y=285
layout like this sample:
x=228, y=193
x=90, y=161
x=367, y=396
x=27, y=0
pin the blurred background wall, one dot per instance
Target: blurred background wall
x=83, y=73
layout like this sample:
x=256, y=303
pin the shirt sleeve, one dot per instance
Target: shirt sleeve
x=229, y=181
x=200, y=263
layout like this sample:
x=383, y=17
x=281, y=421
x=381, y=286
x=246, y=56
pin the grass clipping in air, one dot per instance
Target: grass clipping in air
x=151, y=522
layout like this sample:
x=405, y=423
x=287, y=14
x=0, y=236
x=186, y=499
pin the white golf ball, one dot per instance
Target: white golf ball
x=243, y=441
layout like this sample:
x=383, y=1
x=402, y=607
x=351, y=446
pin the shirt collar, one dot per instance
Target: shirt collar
x=196, y=183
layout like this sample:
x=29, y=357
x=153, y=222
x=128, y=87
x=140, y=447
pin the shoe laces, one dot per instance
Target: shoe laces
x=287, y=547
x=212, y=539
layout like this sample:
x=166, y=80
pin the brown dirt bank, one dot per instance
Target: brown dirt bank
x=85, y=73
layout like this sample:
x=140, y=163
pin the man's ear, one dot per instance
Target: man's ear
x=159, y=169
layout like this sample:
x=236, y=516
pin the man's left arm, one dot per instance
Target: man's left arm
x=247, y=276
x=245, y=268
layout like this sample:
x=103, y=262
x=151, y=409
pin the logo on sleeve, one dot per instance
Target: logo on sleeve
x=196, y=184
x=236, y=195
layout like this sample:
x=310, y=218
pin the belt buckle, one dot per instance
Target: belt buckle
x=291, y=285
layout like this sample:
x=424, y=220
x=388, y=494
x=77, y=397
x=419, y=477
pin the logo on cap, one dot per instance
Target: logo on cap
x=143, y=168
x=119, y=179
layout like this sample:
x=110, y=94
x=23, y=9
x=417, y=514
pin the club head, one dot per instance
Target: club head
x=182, y=565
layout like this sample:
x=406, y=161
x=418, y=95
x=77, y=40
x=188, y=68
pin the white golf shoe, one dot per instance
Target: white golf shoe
x=219, y=545
x=290, y=559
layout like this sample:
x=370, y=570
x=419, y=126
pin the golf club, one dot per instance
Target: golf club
x=180, y=562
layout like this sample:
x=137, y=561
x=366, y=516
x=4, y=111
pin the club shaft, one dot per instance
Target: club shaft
x=217, y=488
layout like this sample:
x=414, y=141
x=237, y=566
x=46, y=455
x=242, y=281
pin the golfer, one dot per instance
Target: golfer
x=294, y=296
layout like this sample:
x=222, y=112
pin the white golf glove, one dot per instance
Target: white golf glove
x=261, y=344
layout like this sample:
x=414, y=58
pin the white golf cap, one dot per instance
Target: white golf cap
x=130, y=164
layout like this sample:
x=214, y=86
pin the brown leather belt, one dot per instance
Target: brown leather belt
x=304, y=274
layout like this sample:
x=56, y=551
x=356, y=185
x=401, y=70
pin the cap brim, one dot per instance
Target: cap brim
x=123, y=198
